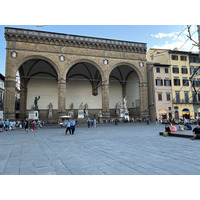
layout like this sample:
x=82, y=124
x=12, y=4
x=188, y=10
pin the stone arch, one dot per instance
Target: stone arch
x=18, y=65
x=87, y=61
x=130, y=65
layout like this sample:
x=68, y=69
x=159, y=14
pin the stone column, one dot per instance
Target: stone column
x=144, y=112
x=9, y=98
x=105, y=100
x=61, y=97
x=23, y=99
x=23, y=102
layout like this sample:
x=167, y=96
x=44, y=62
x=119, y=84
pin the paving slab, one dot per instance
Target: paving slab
x=125, y=149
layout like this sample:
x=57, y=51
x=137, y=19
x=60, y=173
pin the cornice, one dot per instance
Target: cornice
x=40, y=37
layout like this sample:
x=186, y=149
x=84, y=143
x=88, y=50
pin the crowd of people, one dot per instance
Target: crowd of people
x=6, y=125
x=182, y=127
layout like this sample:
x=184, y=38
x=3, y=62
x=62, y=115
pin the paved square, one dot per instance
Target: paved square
x=126, y=149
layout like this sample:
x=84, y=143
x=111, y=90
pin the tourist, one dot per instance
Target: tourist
x=1, y=125
x=33, y=126
x=95, y=122
x=88, y=122
x=26, y=125
x=68, y=127
x=180, y=128
x=173, y=128
x=196, y=132
x=167, y=129
x=188, y=126
x=72, y=124
x=7, y=123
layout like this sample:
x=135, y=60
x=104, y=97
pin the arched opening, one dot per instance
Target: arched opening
x=37, y=77
x=186, y=113
x=124, y=82
x=84, y=87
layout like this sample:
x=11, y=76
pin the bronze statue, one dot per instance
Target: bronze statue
x=36, y=102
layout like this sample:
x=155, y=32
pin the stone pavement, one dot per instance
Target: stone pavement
x=126, y=149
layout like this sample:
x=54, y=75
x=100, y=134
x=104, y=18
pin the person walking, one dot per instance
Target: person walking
x=1, y=125
x=88, y=122
x=26, y=125
x=68, y=127
x=95, y=122
x=7, y=123
x=72, y=123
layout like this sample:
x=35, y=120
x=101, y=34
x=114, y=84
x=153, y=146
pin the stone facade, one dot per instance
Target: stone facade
x=62, y=52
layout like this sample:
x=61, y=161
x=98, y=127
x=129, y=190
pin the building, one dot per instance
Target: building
x=182, y=65
x=66, y=70
x=160, y=92
x=2, y=79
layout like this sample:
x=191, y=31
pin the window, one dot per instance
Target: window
x=186, y=97
x=169, y=108
x=159, y=82
x=168, y=96
x=177, y=97
x=191, y=69
x=184, y=70
x=167, y=82
x=174, y=57
x=194, y=59
x=175, y=69
x=159, y=96
x=197, y=82
x=185, y=82
x=183, y=58
x=157, y=70
x=198, y=97
x=176, y=81
x=166, y=70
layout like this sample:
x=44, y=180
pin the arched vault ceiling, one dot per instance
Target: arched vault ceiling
x=33, y=67
x=87, y=71
x=121, y=73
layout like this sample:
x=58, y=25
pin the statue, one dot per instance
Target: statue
x=50, y=107
x=86, y=109
x=72, y=106
x=125, y=104
x=36, y=102
x=86, y=106
x=81, y=107
x=50, y=111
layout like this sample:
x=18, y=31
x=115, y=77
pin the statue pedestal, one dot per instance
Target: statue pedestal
x=50, y=116
x=71, y=113
x=34, y=115
x=126, y=116
x=80, y=113
x=121, y=112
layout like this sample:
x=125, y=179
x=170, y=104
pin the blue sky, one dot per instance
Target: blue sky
x=156, y=36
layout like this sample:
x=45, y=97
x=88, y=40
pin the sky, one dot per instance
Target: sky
x=156, y=36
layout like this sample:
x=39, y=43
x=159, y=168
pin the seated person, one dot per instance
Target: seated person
x=180, y=128
x=196, y=132
x=188, y=127
x=173, y=128
x=167, y=129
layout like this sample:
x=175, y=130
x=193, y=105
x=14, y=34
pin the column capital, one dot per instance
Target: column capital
x=62, y=81
x=9, y=83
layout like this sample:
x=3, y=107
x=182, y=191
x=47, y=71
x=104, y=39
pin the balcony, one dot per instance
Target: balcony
x=186, y=101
